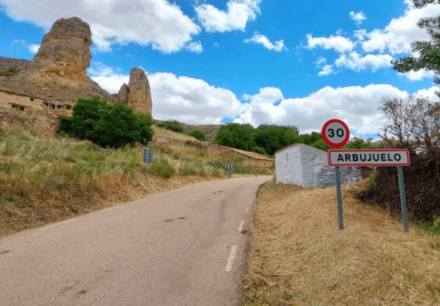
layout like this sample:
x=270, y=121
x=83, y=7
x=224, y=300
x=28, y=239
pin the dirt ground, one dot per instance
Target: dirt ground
x=298, y=255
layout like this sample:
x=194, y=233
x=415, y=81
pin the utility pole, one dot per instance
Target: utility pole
x=15, y=46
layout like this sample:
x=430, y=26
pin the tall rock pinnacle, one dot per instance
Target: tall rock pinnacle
x=139, y=97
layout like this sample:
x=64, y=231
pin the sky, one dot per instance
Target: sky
x=278, y=62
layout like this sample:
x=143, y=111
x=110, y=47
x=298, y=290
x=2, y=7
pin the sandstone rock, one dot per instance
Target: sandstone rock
x=58, y=70
x=139, y=97
x=123, y=93
x=65, y=52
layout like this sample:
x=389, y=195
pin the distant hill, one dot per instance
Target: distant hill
x=210, y=130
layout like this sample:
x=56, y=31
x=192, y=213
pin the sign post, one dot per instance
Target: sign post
x=230, y=167
x=375, y=158
x=336, y=134
x=148, y=159
x=403, y=200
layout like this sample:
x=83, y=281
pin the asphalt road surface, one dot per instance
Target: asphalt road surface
x=183, y=247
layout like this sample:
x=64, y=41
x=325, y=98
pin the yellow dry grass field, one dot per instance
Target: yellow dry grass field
x=298, y=255
x=161, y=132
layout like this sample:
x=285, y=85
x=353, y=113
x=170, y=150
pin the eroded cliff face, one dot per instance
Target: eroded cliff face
x=64, y=54
x=139, y=96
x=58, y=70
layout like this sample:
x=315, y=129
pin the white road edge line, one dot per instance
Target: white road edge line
x=231, y=259
x=63, y=222
x=246, y=210
x=107, y=209
x=240, y=228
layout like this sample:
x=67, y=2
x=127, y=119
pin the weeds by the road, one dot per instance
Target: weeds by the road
x=47, y=180
x=300, y=257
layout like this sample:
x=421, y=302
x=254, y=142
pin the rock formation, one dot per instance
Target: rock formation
x=58, y=70
x=64, y=54
x=123, y=93
x=139, y=97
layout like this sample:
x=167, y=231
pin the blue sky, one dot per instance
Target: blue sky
x=248, y=61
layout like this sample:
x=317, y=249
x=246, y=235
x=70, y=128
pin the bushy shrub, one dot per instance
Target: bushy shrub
x=198, y=135
x=259, y=150
x=107, y=125
x=172, y=126
x=161, y=168
x=414, y=125
x=186, y=169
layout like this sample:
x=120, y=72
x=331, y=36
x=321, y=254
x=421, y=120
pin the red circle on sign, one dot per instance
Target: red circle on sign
x=328, y=141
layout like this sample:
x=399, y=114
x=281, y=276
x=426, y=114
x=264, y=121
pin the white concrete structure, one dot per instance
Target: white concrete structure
x=305, y=166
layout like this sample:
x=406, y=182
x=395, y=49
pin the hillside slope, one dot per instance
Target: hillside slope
x=210, y=130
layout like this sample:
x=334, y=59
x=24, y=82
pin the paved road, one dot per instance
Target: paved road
x=175, y=248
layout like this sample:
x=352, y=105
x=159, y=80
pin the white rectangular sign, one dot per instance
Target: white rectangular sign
x=356, y=158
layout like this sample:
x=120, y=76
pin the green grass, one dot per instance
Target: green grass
x=161, y=168
x=10, y=72
x=431, y=228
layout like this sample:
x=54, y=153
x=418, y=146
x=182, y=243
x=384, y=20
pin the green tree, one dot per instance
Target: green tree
x=429, y=50
x=107, y=125
x=173, y=126
x=236, y=135
x=359, y=143
x=198, y=135
x=320, y=144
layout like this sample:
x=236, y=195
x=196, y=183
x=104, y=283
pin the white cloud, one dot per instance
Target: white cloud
x=417, y=75
x=321, y=60
x=195, y=46
x=429, y=93
x=158, y=23
x=261, y=39
x=358, y=17
x=398, y=35
x=191, y=100
x=237, y=15
x=339, y=43
x=326, y=70
x=370, y=61
x=360, y=34
x=355, y=105
x=181, y=98
x=33, y=48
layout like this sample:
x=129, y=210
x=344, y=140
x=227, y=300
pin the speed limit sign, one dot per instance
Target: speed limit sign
x=335, y=133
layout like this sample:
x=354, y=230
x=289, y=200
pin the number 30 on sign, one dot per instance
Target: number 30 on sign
x=335, y=133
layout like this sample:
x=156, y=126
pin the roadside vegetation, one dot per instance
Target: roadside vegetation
x=48, y=180
x=298, y=255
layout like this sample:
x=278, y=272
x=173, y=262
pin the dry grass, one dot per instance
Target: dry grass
x=161, y=132
x=48, y=180
x=300, y=257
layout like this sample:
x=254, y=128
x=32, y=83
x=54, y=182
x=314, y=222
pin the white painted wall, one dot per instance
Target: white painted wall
x=288, y=166
x=307, y=167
